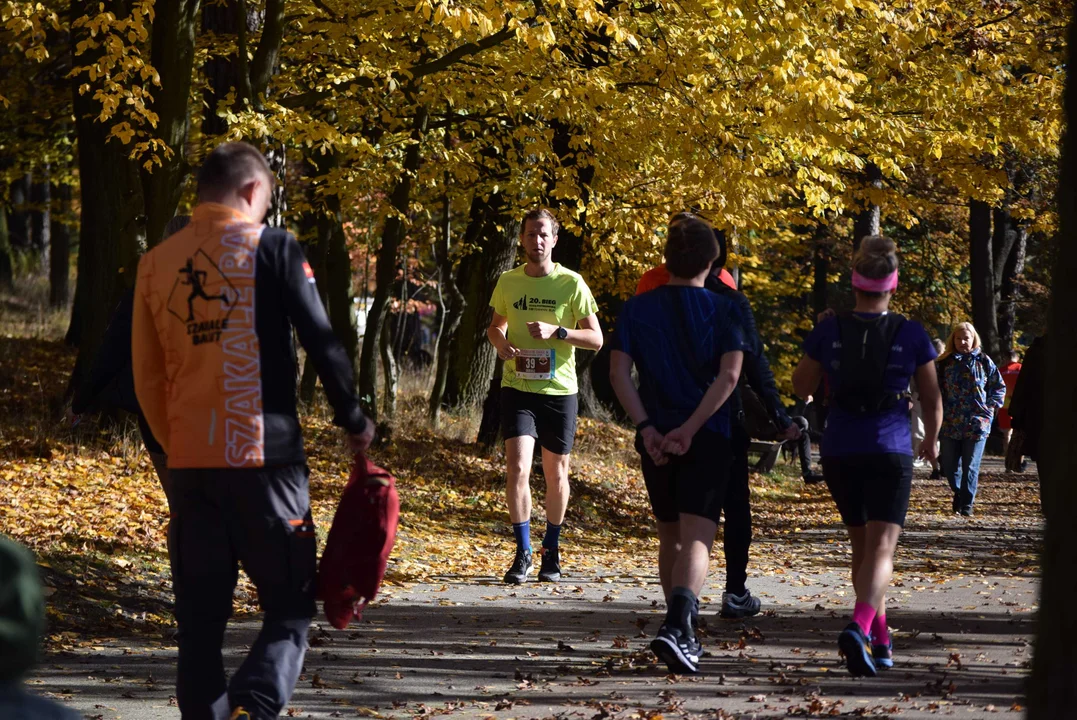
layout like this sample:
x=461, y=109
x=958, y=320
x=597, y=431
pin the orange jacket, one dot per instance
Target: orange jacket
x=211, y=343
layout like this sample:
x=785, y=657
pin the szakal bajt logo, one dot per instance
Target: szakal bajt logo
x=202, y=298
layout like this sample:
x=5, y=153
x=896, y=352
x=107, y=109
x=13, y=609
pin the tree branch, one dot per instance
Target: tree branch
x=465, y=50
x=245, y=90
x=265, y=57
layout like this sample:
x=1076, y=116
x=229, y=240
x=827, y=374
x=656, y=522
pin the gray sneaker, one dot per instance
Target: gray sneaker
x=739, y=606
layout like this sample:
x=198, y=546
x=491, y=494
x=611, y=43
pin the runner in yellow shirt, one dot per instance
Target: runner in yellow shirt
x=542, y=312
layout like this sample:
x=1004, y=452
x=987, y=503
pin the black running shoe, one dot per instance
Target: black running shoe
x=550, y=565
x=739, y=606
x=521, y=568
x=680, y=651
x=812, y=478
x=883, y=655
x=856, y=648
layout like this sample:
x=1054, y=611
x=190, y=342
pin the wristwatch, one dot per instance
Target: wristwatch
x=562, y=333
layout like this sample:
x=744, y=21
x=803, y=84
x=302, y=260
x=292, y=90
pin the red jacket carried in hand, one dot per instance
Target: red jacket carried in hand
x=360, y=540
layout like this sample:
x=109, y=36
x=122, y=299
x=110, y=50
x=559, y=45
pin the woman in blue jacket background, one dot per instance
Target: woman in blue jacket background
x=972, y=392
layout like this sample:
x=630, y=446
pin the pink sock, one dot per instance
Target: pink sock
x=863, y=614
x=880, y=634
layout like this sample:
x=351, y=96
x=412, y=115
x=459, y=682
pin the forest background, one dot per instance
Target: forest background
x=408, y=139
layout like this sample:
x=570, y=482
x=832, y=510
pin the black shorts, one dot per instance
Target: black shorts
x=693, y=483
x=870, y=487
x=550, y=419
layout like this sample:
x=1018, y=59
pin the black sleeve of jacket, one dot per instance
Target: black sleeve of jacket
x=113, y=356
x=305, y=309
x=756, y=369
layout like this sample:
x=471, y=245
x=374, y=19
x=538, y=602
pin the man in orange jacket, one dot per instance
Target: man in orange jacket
x=214, y=368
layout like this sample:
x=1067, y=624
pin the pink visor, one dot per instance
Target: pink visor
x=884, y=284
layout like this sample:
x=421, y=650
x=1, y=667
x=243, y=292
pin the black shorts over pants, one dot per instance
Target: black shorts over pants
x=550, y=419
x=870, y=487
x=693, y=483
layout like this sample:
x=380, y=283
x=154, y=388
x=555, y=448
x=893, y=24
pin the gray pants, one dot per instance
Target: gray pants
x=259, y=518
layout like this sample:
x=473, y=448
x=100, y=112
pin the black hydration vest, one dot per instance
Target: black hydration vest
x=865, y=352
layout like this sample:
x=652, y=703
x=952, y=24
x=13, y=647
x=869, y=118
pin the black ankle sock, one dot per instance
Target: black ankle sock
x=682, y=603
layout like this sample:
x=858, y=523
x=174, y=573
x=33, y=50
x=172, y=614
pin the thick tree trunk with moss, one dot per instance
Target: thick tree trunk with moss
x=172, y=54
x=471, y=357
x=110, y=228
x=1053, y=685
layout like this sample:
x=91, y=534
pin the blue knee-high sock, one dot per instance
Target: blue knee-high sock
x=552, y=536
x=522, y=531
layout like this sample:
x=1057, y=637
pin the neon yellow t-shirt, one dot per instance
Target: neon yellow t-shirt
x=560, y=298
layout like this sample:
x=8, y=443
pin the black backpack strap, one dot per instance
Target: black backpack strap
x=866, y=346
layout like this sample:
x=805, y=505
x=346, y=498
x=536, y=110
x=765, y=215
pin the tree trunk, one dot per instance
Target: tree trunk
x=820, y=268
x=452, y=308
x=110, y=227
x=222, y=72
x=7, y=267
x=60, y=249
x=391, y=236
x=490, y=425
x=473, y=358
x=341, y=290
x=1053, y=685
x=317, y=252
x=982, y=272
x=389, y=386
x=41, y=220
x=1010, y=288
x=869, y=220
x=20, y=219
x=571, y=246
x=172, y=55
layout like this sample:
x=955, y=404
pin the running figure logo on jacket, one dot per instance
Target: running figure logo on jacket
x=193, y=283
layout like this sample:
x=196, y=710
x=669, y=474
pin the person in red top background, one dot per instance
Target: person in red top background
x=1009, y=371
x=659, y=276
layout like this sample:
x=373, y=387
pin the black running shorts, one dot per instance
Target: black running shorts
x=550, y=419
x=693, y=483
x=870, y=487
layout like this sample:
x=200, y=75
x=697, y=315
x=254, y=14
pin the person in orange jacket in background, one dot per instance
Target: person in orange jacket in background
x=215, y=375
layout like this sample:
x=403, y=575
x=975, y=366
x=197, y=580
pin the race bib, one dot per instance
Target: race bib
x=535, y=364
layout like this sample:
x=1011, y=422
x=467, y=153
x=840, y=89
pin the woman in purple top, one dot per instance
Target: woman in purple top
x=972, y=392
x=869, y=357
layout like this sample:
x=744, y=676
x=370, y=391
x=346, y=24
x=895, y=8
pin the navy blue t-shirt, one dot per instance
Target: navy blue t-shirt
x=676, y=336
x=884, y=432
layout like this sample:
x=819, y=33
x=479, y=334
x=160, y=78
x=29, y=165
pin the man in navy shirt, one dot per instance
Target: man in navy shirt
x=687, y=344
